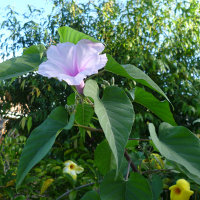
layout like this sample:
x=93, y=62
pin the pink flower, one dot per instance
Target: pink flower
x=72, y=63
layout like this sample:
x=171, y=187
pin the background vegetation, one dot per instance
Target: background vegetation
x=161, y=37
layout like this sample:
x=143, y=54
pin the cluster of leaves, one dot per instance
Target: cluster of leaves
x=115, y=115
x=48, y=173
x=162, y=41
x=159, y=37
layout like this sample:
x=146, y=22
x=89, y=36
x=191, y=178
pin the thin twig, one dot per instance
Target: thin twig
x=129, y=160
x=128, y=170
x=90, y=102
x=156, y=171
x=139, y=139
x=89, y=128
x=77, y=188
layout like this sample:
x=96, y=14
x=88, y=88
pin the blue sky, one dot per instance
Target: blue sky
x=21, y=5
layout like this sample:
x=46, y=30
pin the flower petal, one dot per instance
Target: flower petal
x=73, y=174
x=76, y=80
x=88, y=59
x=180, y=191
x=69, y=162
x=72, y=63
x=50, y=70
x=79, y=169
x=80, y=87
x=62, y=55
x=183, y=183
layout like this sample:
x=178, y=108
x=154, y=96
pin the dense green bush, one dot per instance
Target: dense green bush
x=159, y=37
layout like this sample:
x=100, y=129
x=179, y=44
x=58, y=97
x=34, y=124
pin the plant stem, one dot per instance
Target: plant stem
x=139, y=139
x=128, y=170
x=156, y=171
x=129, y=160
x=77, y=188
x=89, y=128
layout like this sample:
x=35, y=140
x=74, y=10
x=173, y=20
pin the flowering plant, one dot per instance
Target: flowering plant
x=72, y=63
x=72, y=169
x=107, y=108
x=180, y=191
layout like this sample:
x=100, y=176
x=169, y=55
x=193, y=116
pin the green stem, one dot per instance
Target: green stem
x=89, y=128
x=77, y=188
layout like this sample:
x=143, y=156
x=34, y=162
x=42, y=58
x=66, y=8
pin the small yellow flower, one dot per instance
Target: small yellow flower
x=72, y=169
x=157, y=161
x=180, y=191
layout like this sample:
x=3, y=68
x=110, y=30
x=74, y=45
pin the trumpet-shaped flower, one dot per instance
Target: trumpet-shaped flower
x=180, y=191
x=72, y=63
x=72, y=169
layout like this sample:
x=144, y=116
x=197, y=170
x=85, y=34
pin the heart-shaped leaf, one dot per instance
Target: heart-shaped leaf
x=68, y=34
x=132, y=72
x=137, y=188
x=159, y=108
x=91, y=195
x=179, y=145
x=40, y=141
x=116, y=115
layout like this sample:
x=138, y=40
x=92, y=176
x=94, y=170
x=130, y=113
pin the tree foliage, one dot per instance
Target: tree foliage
x=148, y=40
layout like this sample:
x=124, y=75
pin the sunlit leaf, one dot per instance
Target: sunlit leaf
x=116, y=115
x=40, y=141
x=68, y=34
x=132, y=72
x=179, y=145
x=159, y=108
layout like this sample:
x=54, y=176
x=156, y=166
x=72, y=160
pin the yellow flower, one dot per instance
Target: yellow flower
x=157, y=161
x=72, y=169
x=180, y=191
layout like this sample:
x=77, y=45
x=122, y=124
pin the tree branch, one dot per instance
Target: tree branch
x=129, y=160
x=77, y=188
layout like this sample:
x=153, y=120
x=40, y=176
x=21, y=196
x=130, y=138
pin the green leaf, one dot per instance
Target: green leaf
x=112, y=188
x=116, y=115
x=191, y=176
x=71, y=99
x=29, y=123
x=72, y=195
x=35, y=49
x=159, y=108
x=21, y=197
x=19, y=66
x=23, y=122
x=104, y=163
x=196, y=121
x=132, y=72
x=84, y=114
x=157, y=186
x=40, y=142
x=137, y=188
x=68, y=34
x=71, y=122
x=179, y=145
x=91, y=195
